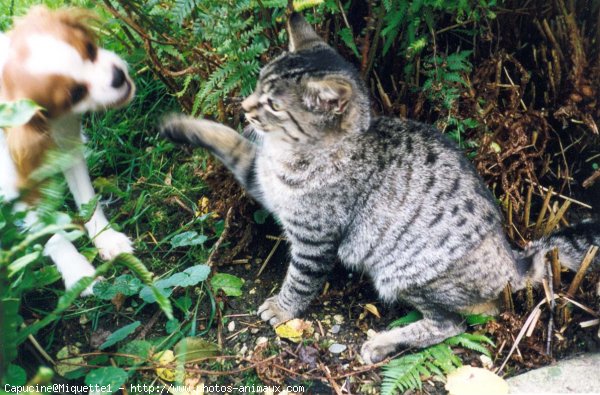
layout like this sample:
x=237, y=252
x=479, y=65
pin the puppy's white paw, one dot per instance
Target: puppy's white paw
x=271, y=312
x=78, y=268
x=111, y=243
x=375, y=350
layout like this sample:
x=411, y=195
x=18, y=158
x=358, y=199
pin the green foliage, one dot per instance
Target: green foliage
x=120, y=334
x=407, y=372
x=17, y=113
x=228, y=283
x=107, y=376
x=412, y=316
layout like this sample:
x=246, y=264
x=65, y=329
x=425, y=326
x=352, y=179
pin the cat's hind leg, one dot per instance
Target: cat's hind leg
x=433, y=328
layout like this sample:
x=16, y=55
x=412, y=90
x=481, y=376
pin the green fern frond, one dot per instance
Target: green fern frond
x=407, y=372
x=472, y=342
x=403, y=373
x=183, y=9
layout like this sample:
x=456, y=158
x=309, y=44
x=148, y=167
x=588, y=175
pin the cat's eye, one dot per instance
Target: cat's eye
x=276, y=106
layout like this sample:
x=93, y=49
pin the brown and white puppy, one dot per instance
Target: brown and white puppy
x=52, y=57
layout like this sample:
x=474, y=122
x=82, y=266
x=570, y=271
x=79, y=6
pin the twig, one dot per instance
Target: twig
x=591, y=179
x=211, y=258
x=542, y=214
x=587, y=260
x=532, y=316
x=268, y=257
x=558, y=194
x=39, y=348
x=555, y=269
x=149, y=325
x=335, y=385
x=556, y=218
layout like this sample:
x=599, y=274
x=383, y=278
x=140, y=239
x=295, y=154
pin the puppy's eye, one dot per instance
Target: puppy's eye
x=78, y=92
x=91, y=51
x=276, y=106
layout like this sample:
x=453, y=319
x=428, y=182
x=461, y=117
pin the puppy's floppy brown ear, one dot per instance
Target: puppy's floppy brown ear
x=28, y=145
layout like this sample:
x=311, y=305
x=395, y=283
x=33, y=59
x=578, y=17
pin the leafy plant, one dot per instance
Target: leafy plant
x=407, y=372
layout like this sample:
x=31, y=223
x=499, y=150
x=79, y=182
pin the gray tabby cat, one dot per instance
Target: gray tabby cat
x=389, y=197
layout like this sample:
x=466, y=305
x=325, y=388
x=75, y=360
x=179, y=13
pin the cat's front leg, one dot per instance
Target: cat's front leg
x=311, y=262
x=235, y=151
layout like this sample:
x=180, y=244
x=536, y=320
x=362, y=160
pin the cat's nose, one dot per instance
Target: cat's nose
x=250, y=103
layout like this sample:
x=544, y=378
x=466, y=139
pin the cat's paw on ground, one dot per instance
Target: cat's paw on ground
x=271, y=312
x=375, y=350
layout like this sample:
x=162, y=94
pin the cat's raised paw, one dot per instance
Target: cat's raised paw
x=173, y=128
x=375, y=350
x=271, y=312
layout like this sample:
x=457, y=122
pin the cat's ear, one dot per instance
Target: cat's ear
x=302, y=35
x=329, y=95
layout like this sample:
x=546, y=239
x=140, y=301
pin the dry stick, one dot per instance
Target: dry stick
x=335, y=385
x=522, y=332
x=269, y=257
x=591, y=179
x=582, y=307
x=587, y=324
x=556, y=218
x=542, y=214
x=558, y=194
x=587, y=260
x=513, y=84
x=549, y=284
x=507, y=298
x=149, y=325
x=41, y=350
x=511, y=232
x=528, y=206
x=224, y=234
x=556, y=270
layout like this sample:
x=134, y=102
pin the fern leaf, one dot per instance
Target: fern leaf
x=403, y=373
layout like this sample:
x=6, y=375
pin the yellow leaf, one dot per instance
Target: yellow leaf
x=64, y=365
x=468, y=380
x=372, y=309
x=293, y=330
x=204, y=208
x=164, y=359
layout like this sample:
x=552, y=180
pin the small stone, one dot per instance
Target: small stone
x=487, y=362
x=254, y=331
x=231, y=326
x=243, y=350
x=261, y=340
x=338, y=318
x=252, y=291
x=335, y=329
x=371, y=333
x=337, y=348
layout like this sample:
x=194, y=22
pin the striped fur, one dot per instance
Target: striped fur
x=392, y=198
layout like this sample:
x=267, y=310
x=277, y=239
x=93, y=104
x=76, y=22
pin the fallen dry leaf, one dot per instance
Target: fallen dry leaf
x=372, y=309
x=294, y=330
x=164, y=359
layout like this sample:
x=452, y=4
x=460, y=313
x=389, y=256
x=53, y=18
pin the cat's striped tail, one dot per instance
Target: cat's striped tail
x=572, y=243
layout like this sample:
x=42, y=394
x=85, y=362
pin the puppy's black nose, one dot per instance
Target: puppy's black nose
x=118, y=78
